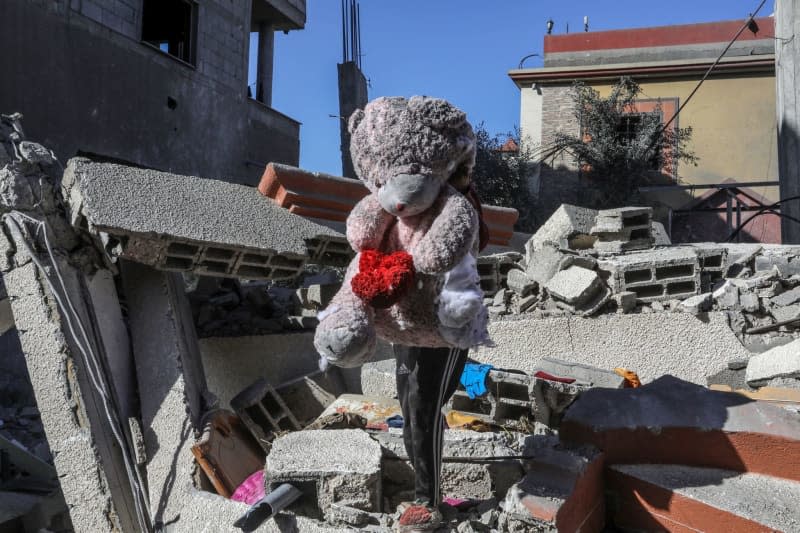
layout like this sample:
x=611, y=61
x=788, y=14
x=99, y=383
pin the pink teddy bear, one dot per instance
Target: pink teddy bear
x=409, y=153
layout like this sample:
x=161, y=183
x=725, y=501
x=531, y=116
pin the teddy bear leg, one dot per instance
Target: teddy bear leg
x=345, y=335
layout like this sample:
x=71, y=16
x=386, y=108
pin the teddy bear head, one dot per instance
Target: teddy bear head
x=406, y=150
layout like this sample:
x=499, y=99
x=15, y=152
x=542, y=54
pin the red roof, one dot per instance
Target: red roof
x=708, y=32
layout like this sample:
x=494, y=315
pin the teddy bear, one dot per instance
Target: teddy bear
x=414, y=278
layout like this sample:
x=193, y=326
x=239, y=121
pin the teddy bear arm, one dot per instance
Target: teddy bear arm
x=450, y=237
x=367, y=224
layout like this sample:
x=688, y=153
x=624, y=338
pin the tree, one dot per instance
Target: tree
x=500, y=176
x=619, y=146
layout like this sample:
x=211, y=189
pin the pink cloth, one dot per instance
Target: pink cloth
x=251, y=490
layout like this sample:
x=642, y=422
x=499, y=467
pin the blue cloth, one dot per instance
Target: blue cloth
x=395, y=421
x=474, y=379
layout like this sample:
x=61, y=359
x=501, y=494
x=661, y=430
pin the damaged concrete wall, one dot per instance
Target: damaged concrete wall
x=60, y=343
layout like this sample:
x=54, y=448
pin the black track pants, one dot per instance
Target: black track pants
x=426, y=378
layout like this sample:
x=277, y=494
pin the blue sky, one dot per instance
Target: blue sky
x=460, y=50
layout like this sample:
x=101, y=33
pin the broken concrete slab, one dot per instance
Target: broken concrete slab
x=787, y=298
x=562, y=490
x=785, y=314
x=660, y=236
x=169, y=369
x=568, y=223
x=786, y=259
x=587, y=375
x=726, y=296
x=204, y=225
x=703, y=499
x=696, y=304
x=544, y=262
x=350, y=476
x=574, y=285
x=519, y=282
x=779, y=362
x=650, y=344
x=656, y=423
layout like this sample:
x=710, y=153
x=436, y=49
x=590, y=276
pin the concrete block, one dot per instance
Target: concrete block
x=660, y=237
x=328, y=466
x=507, y=399
x=574, y=286
x=587, y=375
x=782, y=314
x=779, y=362
x=749, y=302
x=544, y=263
x=568, y=223
x=520, y=283
x=697, y=304
x=660, y=274
x=232, y=363
x=658, y=423
x=701, y=499
x=726, y=296
x=562, y=490
x=626, y=301
x=787, y=298
x=264, y=412
x=623, y=229
x=206, y=226
x=786, y=258
x=378, y=378
x=551, y=399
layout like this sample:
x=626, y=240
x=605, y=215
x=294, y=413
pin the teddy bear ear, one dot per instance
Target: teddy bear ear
x=436, y=112
x=355, y=120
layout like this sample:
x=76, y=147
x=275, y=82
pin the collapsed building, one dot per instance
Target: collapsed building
x=166, y=325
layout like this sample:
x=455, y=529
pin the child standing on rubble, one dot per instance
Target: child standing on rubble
x=414, y=280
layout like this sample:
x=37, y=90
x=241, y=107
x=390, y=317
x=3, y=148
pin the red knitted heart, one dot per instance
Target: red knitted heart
x=383, y=278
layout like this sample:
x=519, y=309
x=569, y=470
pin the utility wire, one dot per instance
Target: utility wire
x=699, y=83
x=90, y=359
x=766, y=209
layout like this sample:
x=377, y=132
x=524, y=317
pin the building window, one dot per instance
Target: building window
x=628, y=131
x=170, y=26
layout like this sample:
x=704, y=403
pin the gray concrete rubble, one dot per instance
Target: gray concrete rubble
x=352, y=478
x=136, y=302
x=779, y=362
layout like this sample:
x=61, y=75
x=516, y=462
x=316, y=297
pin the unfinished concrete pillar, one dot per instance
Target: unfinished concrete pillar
x=264, y=61
x=787, y=76
x=352, y=96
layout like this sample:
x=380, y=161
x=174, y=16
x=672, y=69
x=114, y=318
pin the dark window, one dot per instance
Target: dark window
x=628, y=131
x=169, y=25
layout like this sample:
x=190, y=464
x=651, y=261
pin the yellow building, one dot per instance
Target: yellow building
x=732, y=116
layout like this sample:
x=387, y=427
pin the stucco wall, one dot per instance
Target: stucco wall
x=733, y=127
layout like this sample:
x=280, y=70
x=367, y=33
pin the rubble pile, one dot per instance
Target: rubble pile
x=233, y=308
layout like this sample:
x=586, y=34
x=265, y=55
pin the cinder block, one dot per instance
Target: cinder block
x=328, y=466
x=623, y=229
x=661, y=274
x=713, y=260
x=264, y=412
x=506, y=401
x=519, y=282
